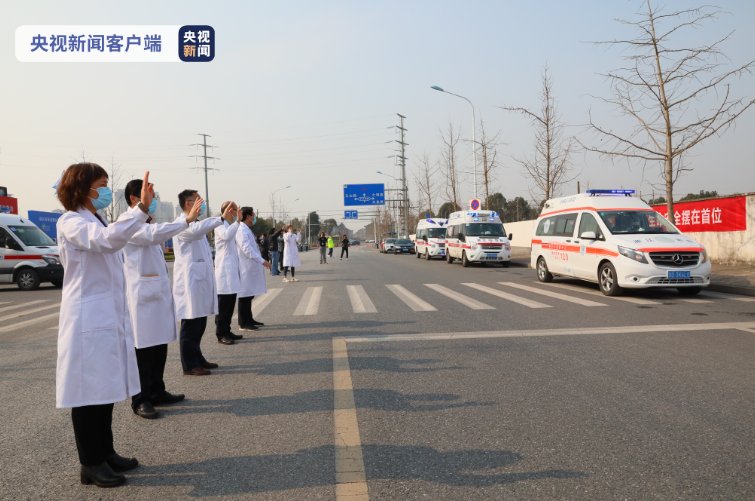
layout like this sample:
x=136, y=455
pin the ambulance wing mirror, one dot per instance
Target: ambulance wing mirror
x=424, y=237
x=461, y=237
x=511, y=237
x=588, y=235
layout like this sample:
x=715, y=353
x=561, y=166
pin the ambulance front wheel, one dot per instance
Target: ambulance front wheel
x=609, y=285
x=449, y=259
x=27, y=279
x=542, y=271
x=464, y=259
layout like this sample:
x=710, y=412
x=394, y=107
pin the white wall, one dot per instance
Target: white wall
x=728, y=247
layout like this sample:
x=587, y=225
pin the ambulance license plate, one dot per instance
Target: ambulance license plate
x=679, y=274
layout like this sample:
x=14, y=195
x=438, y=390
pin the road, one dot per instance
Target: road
x=391, y=377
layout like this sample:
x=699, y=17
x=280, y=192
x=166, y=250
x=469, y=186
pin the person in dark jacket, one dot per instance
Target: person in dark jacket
x=264, y=251
x=273, y=241
x=323, y=242
x=344, y=247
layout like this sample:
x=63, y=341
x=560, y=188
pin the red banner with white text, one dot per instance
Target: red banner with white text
x=720, y=214
x=8, y=205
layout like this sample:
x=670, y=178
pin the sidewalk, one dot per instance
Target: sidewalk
x=732, y=279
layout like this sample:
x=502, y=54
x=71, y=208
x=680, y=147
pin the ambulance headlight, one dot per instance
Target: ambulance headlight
x=632, y=254
x=51, y=260
x=703, y=256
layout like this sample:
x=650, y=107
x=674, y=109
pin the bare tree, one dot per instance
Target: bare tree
x=425, y=183
x=489, y=155
x=448, y=155
x=550, y=164
x=677, y=97
x=117, y=180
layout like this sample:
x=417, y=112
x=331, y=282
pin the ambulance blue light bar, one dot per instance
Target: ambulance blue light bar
x=610, y=192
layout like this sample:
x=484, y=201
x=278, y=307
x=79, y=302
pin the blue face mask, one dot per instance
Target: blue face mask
x=254, y=220
x=152, y=206
x=203, y=209
x=104, y=197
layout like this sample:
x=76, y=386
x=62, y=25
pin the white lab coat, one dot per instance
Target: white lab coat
x=150, y=300
x=227, y=276
x=193, y=275
x=291, y=250
x=96, y=359
x=250, y=263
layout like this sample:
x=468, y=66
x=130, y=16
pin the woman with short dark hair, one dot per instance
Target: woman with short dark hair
x=96, y=364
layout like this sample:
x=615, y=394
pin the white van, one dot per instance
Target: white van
x=477, y=236
x=430, y=239
x=27, y=255
x=616, y=240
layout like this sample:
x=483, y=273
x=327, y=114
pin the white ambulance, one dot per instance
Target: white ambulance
x=27, y=255
x=618, y=241
x=430, y=238
x=477, y=236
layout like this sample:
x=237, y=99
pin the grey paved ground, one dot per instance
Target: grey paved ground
x=664, y=415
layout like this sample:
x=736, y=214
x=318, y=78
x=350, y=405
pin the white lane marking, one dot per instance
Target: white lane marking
x=748, y=330
x=505, y=295
x=21, y=305
x=573, y=331
x=410, y=299
x=460, y=298
x=360, y=301
x=16, y=315
x=24, y=323
x=696, y=301
x=310, y=302
x=554, y=295
x=725, y=295
x=261, y=302
x=581, y=290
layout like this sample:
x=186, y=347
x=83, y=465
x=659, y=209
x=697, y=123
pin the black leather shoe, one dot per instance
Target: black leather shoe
x=101, y=475
x=257, y=324
x=235, y=337
x=120, y=464
x=225, y=340
x=197, y=371
x=146, y=410
x=209, y=365
x=167, y=397
x=248, y=327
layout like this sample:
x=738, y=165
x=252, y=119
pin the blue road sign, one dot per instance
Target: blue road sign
x=351, y=214
x=47, y=222
x=363, y=194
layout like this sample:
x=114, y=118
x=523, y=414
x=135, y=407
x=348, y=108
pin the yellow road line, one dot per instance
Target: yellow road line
x=351, y=482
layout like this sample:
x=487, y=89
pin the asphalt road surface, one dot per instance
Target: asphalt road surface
x=389, y=377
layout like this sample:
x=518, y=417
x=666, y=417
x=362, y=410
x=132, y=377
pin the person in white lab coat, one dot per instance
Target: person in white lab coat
x=226, y=273
x=252, y=267
x=150, y=303
x=290, y=253
x=96, y=364
x=194, y=284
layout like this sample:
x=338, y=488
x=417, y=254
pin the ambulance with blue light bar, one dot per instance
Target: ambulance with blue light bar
x=430, y=238
x=617, y=240
x=477, y=236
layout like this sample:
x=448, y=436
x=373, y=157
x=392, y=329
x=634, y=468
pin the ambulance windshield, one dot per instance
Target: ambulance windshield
x=436, y=232
x=484, y=230
x=626, y=222
x=31, y=236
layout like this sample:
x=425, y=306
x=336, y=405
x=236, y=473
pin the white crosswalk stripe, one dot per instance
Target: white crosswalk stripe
x=310, y=302
x=582, y=290
x=261, y=302
x=20, y=305
x=529, y=303
x=360, y=301
x=26, y=323
x=724, y=295
x=460, y=298
x=410, y=299
x=24, y=313
x=697, y=301
x=554, y=295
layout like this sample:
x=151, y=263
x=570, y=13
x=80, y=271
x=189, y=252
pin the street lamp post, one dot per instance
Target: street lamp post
x=272, y=195
x=474, y=129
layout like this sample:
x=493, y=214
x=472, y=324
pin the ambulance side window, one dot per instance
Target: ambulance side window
x=565, y=225
x=545, y=227
x=589, y=223
x=8, y=242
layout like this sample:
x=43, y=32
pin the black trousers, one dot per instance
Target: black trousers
x=246, y=317
x=346, y=250
x=93, y=429
x=151, y=363
x=226, y=305
x=292, y=268
x=192, y=330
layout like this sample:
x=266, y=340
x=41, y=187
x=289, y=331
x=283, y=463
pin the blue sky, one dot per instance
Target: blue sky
x=304, y=94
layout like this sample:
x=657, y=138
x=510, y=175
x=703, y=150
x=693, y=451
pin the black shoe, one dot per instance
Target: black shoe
x=225, y=340
x=209, y=365
x=249, y=327
x=120, y=464
x=146, y=410
x=257, y=324
x=167, y=398
x=235, y=337
x=101, y=475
